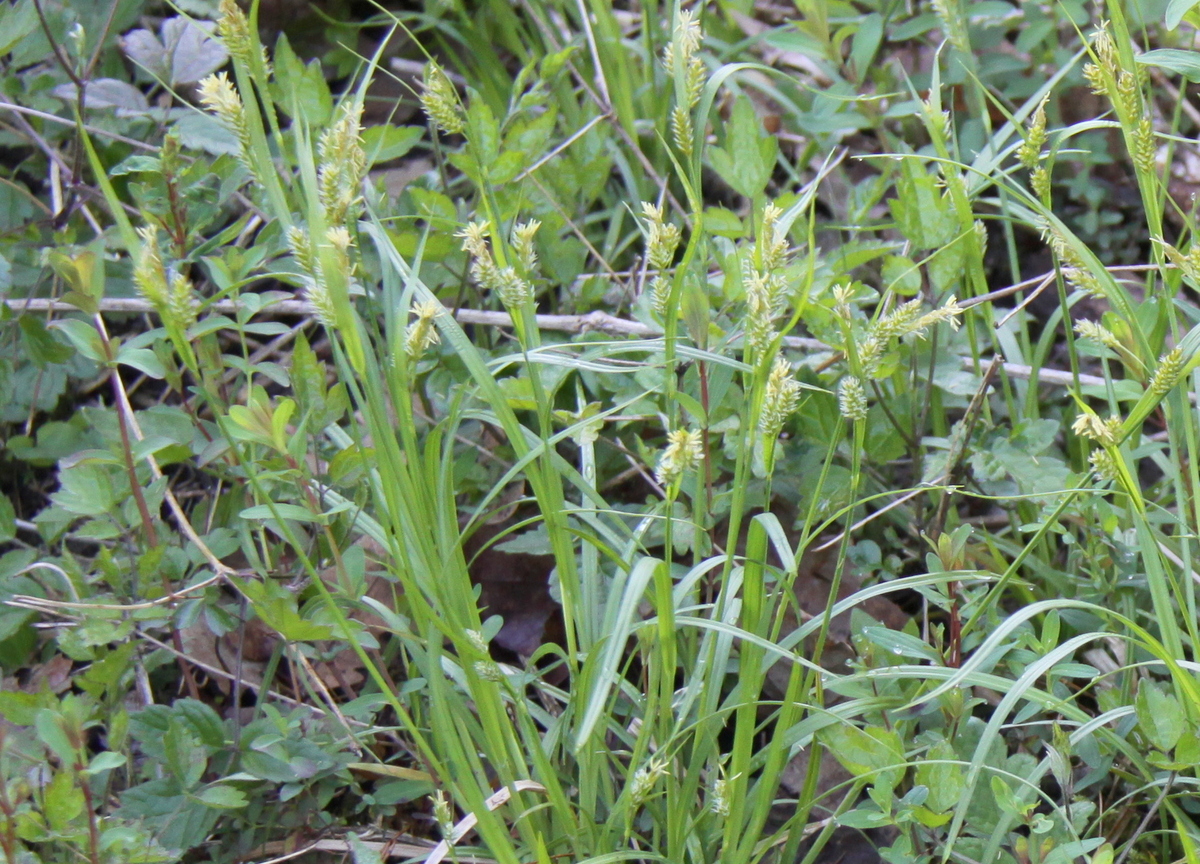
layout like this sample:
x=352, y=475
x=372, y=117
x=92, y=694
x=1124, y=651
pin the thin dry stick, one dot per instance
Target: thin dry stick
x=583, y=238
x=392, y=849
x=41, y=604
x=319, y=685
x=583, y=130
x=601, y=81
x=221, y=673
x=185, y=524
x=592, y=321
x=63, y=121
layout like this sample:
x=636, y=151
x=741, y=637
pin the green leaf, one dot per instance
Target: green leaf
x=106, y=760
x=142, y=359
x=42, y=348
x=18, y=22
x=179, y=822
x=384, y=143
x=943, y=779
x=276, y=606
x=64, y=801
x=85, y=489
x=482, y=128
x=866, y=43
x=52, y=733
x=185, y=760
x=875, y=752
x=901, y=644
x=901, y=275
x=1187, y=749
x=221, y=797
x=1007, y=800
x=299, y=88
x=1185, y=63
x=83, y=336
x=923, y=213
x=199, y=131
x=285, y=511
x=8, y=517
x=1176, y=9
x=723, y=222
x=748, y=158
x=1159, y=715
x=363, y=854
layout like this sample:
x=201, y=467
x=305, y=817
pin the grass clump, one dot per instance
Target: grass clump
x=624, y=449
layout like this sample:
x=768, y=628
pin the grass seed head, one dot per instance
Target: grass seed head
x=1089, y=425
x=852, y=399
x=234, y=29
x=1030, y=151
x=421, y=334
x=440, y=101
x=523, y=234
x=1104, y=465
x=1166, y=376
x=219, y=96
x=1097, y=333
x=683, y=452
x=343, y=164
x=150, y=276
x=780, y=399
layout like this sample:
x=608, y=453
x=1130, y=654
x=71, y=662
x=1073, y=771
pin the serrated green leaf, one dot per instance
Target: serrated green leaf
x=221, y=797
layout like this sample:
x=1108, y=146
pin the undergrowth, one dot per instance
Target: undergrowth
x=695, y=432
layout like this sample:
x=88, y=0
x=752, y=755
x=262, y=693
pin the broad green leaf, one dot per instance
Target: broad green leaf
x=42, y=348
x=83, y=336
x=384, y=143
x=64, y=801
x=944, y=779
x=106, y=760
x=875, y=753
x=747, y=160
x=1185, y=63
x=1176, y=9
x=1159, y=715
x=222, y=797
x=18, y=22
x=142, y=359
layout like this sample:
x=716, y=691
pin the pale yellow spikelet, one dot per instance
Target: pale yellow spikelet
x=1189, y=264
x=182, y=305
x=780, y=399
x=523, y=244
x=440, y=100
x=772, y=241
x=1030, y=150
x=219, y=96
x=662, y=237
x=1097, y=333
x=1166, y=376
x=1088, y=425
x=421, y=334
x=150, y=276
x=1104, y=465
x=644, y=781
x=682, y=131
x=683, y=452
x=342, y=165
x=852, y=399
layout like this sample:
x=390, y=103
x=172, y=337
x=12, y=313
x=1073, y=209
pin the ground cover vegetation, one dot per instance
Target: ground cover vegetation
x=574, y=431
